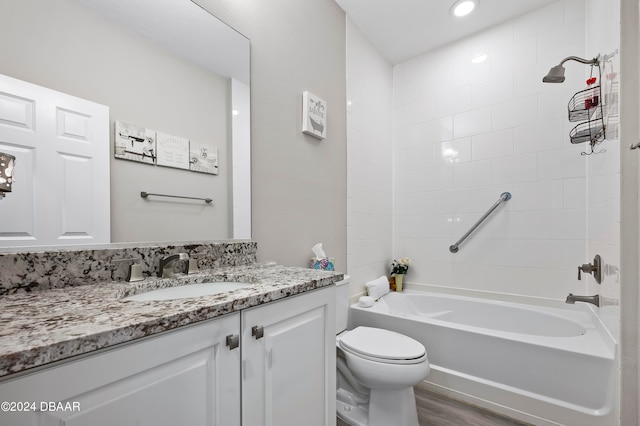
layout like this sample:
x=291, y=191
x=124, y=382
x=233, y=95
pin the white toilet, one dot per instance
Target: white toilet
x=377, y=370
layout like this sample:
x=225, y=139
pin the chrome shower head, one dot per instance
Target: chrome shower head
x=556, y=74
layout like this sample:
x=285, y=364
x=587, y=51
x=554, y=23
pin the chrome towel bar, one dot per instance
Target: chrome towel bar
x=144, y=194
x=505, y=196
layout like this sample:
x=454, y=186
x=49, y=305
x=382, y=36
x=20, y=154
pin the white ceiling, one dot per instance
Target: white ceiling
x=403, y=29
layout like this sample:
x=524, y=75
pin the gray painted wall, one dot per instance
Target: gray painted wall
x=629, y=215
x=298, y=182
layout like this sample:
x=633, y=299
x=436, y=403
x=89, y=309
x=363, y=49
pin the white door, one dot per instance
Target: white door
x=289, y=362
x=61, y=192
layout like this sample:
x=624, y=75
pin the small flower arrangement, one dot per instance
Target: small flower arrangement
x=400, y=266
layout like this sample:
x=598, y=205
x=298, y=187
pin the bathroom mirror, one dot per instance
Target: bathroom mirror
x=165, y=65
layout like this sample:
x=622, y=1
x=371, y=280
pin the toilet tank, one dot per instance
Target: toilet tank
x=342, y=304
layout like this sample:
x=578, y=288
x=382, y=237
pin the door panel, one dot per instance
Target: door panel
x=61, y=191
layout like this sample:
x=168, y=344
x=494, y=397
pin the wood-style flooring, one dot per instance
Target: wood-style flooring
x=438, y=410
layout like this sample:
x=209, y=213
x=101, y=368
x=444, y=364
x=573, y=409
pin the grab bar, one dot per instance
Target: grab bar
x=505, y=196
x=144, y=194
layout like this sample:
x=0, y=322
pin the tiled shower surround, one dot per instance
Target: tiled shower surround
x=466, y=132
x=41, y=270
x=435, y=140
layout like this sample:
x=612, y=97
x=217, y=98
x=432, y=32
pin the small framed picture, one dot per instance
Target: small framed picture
x=134, y=143
x=172, y=151
x=203, y=158
x=314, y=115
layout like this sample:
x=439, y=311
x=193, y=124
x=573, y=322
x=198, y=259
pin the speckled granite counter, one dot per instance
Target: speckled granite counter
x=41, y=327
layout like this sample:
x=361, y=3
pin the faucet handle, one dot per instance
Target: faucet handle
x=192, y=266
x=595, y=269
x=586, y=267
x=134, y=271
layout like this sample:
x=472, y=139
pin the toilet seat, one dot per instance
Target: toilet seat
x=384, y=346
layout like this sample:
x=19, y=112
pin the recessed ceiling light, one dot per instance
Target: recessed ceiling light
x=463, y=7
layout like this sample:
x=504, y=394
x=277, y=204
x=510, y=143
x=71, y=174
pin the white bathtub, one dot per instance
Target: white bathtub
x=538, y=364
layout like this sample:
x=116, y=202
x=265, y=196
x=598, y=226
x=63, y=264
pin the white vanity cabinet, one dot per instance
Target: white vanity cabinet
x=282, y=373
x=288, y=361
x=184, y=377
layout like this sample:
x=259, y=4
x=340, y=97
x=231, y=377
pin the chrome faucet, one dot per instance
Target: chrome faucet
x=165, y=269
x=571, y=298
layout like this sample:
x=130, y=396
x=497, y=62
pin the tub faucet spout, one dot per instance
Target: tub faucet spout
x=165, y=268
x=571, y=298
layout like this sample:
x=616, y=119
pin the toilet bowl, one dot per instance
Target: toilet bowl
x=376, y=372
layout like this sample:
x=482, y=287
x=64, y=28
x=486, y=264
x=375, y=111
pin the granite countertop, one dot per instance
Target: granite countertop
x=41, y=327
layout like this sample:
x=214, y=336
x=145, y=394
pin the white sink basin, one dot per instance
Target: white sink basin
x=189, y=290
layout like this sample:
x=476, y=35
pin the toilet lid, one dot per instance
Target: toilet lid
x=383, y=345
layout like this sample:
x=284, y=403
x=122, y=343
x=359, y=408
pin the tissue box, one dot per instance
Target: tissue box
x=324, y=264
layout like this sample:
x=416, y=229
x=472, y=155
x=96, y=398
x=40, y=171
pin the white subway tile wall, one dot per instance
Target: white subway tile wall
x=465, y=132
x=370, y=160
x=495, y=127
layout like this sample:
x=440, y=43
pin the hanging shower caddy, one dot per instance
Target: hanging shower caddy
x=586, y=107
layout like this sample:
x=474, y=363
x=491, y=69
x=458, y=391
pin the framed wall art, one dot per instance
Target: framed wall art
x=134, y=143
x=314, y=115
x=203, y=158
x=173, y=151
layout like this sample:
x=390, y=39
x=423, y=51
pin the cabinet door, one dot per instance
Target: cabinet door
x=288, y=356
x=185, y=377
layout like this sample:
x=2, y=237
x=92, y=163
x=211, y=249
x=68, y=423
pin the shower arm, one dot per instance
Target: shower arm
x=594, y=61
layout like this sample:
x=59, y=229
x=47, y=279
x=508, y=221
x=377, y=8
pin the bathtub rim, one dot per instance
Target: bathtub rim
x=527, y=301
x=589, y=343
